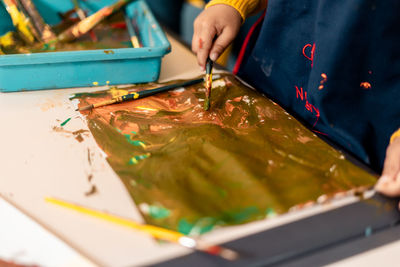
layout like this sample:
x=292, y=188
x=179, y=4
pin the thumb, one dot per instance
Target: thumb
x=221, y=43
x=391, y=167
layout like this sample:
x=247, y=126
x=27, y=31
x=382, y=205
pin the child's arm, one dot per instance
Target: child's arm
x=217, y=26
x=389, y=183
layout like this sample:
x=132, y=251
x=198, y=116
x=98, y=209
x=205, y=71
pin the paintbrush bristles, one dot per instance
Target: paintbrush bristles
x=209, y=65
x=131, y=30
x=85, y=108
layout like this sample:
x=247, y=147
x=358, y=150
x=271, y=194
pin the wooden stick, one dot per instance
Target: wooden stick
x=131, y=30
x=44, y=30
x=21, y=22
x=154, y=231
x=81, y=14
x=142, y=94
x=90, y=22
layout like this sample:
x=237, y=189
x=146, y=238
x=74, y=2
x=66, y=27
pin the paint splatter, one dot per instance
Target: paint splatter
x=324, y=79
x=201, y=226
x=79, y=138
x=240, y=216
x=65, y=122
x=365, y=85
x=136, y=159
x=200, y=43
x=89, y=157
x=270, y=213
x=134, y=142
x=92, y=191
x=159, y=212
x=185, y=227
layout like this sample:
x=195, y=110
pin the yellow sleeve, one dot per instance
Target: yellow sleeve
x=244, y=7
x=395, y=135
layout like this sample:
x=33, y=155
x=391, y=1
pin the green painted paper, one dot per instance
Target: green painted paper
x=245, y=159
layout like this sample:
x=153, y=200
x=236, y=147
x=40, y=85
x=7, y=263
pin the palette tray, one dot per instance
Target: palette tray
x=83, y=68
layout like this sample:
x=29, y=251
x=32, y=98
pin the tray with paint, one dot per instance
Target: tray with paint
x=105, y=55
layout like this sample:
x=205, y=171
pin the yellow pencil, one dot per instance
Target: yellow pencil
x=154, y=231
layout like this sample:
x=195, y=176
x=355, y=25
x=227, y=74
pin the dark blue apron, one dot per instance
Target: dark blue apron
x=335, y=64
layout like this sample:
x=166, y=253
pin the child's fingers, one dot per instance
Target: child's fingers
x=222, y=42
x=389, y=183
x=391, y=165
x=204, y=32
x=205, y=42
x=390, y=187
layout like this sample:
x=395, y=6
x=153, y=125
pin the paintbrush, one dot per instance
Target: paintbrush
x=142, y=94
x=22, y=23
x=81, y=15
x=208, y=79
x=90, y=22
x=134, y=38
x=154, y=231
x=44, y=31
x=78, y=9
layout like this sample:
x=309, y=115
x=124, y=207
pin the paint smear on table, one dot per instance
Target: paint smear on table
x=191, y=170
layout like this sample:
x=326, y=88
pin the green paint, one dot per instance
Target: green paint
x=184, y=227
x=222, y=192
x=128, y=138
x=238, y=163
x=65, y=122
x=135, y=159
x=204, y=225
x=137, y=143
x=242, y=215
x=133, y=142
x=201, y=226
x=206, y=104
x=159, y=212
x=270, y=213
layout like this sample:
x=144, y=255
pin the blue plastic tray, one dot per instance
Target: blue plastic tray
x=55, y=70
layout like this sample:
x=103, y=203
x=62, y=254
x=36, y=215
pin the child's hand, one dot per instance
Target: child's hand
x=219, y=22
x=389, y=183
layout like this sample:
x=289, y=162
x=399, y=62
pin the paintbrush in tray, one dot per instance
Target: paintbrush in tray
x=90, y=22
x=131, y=30
x=142, y=94
x=154, y=231
x=81, y=15
x=43, y=31
x=208, y=79
x=22, y=23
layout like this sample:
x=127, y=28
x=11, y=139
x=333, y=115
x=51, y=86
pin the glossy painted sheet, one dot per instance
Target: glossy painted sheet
x=191, y=170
